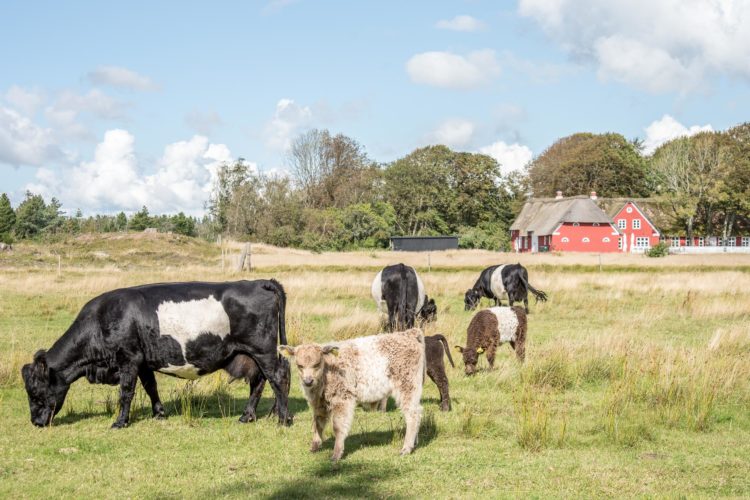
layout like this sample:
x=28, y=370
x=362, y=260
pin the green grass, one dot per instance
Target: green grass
x=620, y=396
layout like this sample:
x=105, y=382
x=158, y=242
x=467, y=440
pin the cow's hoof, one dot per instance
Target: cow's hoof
x=315, y=447
x=119, y=425
x=288, y=422
x=249, y=417
x=445, y=407
x=405, y=451
x=160, y=416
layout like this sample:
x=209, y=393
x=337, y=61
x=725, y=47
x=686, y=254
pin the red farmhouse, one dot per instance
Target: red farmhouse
x=575, y=224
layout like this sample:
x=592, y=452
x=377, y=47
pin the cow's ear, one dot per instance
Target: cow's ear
x=480, y=350
x=331, y=349
x=459, y=349
x=286, y=350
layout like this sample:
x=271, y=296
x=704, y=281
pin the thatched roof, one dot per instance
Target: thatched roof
x=543, y=215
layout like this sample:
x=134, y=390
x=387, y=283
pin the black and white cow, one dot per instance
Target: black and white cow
x=181, y=329
x=399, y=291
x=509, y=279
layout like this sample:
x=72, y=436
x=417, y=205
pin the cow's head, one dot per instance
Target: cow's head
x=428, y=312
x=311, y=360
x=471, y=299
x=45, y=389
x=471, y=357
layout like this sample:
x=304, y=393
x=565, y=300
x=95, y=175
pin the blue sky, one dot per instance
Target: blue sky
x=109, y=106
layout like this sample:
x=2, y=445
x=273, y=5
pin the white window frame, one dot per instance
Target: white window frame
x=565, y=239
x=636, y=223
x=629, y=210
x=719, y=241
x=675, y=241
x=701, y=241
x=745, y=241
x=622, y=223
x=732, y=241
x=586, y=239
x=575, y=224
x=639, y=242
x=605, y=239
x=619, y=242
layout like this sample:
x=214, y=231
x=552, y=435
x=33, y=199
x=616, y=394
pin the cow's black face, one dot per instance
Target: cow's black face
x=45, y=397
x=471, y=357
x=471, y=299
x=429, y=311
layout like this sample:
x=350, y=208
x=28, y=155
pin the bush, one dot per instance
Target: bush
x=660, y=250
x=486, y=236
x=6, y=238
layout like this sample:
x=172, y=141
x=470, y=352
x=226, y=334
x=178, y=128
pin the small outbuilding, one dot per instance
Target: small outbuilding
x=423, y=243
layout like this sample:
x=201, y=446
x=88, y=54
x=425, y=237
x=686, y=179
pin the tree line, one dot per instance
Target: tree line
x=337, y=198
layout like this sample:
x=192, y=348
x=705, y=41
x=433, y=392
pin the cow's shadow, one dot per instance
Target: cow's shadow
x=208, y=406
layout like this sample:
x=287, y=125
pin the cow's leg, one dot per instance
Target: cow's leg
x=391, y=319
x=149, y=384
x=520, y=346
x=438, y=376
x=268, y=365
x=128, y=378
x=491, y=351
x=526, y=304
x=256, y=390
x=320, y=419
x=412, y=415
x=342, y=414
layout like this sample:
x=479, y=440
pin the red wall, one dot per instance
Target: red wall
x=646, y=230
x=576, y=234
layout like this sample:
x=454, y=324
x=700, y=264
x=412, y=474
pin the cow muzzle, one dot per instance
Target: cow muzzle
x=308, y=381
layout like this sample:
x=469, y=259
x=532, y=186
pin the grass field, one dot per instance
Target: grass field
x=637, y=382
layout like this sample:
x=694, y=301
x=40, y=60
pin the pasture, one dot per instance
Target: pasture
x=636, y=382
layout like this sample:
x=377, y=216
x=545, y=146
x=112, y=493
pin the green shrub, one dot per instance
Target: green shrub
x=660, y=250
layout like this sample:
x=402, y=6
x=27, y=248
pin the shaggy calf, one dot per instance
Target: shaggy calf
x=363, y=370
x=490, y=328
x=435, y=346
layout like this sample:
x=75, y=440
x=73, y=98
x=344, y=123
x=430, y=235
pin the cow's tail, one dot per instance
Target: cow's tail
x=402, y=312
x=277, y=289
x=538, y=294
x=445, y=346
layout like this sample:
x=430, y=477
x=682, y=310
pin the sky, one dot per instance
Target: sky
x=110, y=106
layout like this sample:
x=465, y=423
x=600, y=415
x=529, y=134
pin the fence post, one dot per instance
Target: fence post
x=429, y=263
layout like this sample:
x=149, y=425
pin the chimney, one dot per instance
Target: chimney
x=593, y=195
x=559, y=195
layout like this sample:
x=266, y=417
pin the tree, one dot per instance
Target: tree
x=183, y=224
x=7, y=215
x=140, y=220
x=121, y=222
x=31, y=216
x=229, y=178
x=585, y=162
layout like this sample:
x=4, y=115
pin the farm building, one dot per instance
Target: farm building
x=593, y=224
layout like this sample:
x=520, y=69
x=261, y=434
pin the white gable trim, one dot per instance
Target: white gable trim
x=656, y=231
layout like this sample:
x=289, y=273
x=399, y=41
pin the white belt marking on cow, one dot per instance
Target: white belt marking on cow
x=507, y=323
x=377, y=293
x=496, y=282
x=420, y=293
x=185, y=321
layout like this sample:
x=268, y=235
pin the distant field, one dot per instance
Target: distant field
x=637, y=382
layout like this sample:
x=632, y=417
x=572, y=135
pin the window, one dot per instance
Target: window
x=622, y=224
x=605, y=239
x=585, y=240
x=746, y=241
x=642, y=242
x=595, y=224
x=701, y=241
x=565, y=240
x=619, y=243
x=675, y=241
x=719, y=242
x=629, y=210
x=636, y=223
x=575, y=224
x=731, y=241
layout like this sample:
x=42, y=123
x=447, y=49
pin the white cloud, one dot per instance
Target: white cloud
x=511, y=157
x=64, y=113
x=288, y=120
x=461, y=23
x=666, y=129
x=118, y=76
x=454, y=133
x=114, y=180
x=448, y=70
x=669, y=45
x=22, y=142
x=27, y=101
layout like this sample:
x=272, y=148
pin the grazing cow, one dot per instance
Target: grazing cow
x=435, y=346
x=399, y=291
x=490, y=328
x=181, y=329
x=509, y=279
x=336, y=377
